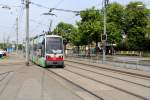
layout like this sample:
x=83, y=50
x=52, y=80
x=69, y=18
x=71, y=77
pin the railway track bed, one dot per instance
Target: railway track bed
x=145, y=74
x=106, y=85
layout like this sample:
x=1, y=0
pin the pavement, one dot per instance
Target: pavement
x=29, y=82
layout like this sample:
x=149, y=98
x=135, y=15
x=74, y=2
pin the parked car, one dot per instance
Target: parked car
x=3, y=53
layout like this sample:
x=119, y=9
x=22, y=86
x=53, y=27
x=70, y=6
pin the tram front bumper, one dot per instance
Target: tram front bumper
x=48, y=63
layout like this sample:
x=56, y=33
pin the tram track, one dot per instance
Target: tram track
x=77, y=85
x=3, y=73
x=112, y=76
x=110, y=85
x=123, y=91
x=132, y=74
x=5, y=81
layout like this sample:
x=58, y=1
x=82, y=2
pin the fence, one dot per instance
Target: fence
x=138, y=63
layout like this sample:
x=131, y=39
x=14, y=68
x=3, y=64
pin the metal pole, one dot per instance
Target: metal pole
x=27, y=32
x=17, y=33
x=50, y=27
x=104, y=41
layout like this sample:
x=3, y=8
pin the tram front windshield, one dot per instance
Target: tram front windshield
x=54, y=45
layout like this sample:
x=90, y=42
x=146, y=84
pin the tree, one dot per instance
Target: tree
x=114, y=33
x=76, y=40
x=115, y=22
x=66, y=31
x=147, y=35
x=91, y=25
x=136, y=21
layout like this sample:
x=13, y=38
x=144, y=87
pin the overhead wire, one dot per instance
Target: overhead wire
x=39, y=5
x=19, y=16
x=42, y=6
x=38, y=22
x=54, y=8
x=37, y=26
x=60, y=1
x=20, y=19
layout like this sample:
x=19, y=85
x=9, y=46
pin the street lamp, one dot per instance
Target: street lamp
x=9, y=8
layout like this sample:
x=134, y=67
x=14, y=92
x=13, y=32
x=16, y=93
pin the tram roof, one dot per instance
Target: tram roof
x=46, y=36
x=53, y=36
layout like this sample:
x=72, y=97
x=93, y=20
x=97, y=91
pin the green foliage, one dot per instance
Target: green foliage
x=136, y=22
x=132, y=20
x=115, y=22
x=115, y=14
x=147, y=35
x=20, y=46
x=76, y=39
x=90, y=26
x=114, y=33
x=1, y=45
x=65, y=30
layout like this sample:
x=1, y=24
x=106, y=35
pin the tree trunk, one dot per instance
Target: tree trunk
x=89, y=50
x=78, y=50
x=96, y=48
x=65, y=50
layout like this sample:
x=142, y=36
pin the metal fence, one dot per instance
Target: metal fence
x=138, y=63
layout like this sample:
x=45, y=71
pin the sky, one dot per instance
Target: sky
x=38, y=21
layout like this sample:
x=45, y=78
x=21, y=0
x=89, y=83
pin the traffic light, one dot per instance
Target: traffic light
x=104, y=37
x=65, y=41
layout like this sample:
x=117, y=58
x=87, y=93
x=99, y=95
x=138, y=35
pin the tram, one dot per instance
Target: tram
x=47, y=50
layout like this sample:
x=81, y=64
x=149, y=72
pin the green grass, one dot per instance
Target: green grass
x=134, y=53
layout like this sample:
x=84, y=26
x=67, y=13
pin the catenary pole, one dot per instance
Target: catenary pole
x=104, y=37
x=27, y=32
x=17, y=34
x=50, y=27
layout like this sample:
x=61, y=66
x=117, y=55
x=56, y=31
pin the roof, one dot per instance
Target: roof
x=53, y=36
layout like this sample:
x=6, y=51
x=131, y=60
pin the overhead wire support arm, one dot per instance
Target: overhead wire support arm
x=38, y=5
x=5, y=6
x=51, y=9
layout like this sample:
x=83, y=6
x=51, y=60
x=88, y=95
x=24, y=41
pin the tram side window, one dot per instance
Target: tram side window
x=39, y=49
x=34, y=47
x=43, y=48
